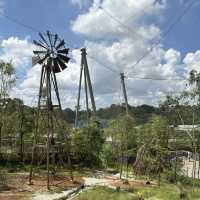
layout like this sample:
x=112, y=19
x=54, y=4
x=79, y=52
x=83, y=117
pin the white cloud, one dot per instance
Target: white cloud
x=67, y=83
x=125, y=36
x=102, y=22
x=192, y=61
x=118, y=48
x=18, y=51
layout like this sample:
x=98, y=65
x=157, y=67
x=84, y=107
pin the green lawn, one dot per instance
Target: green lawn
x=165, y=192
x=102, y=193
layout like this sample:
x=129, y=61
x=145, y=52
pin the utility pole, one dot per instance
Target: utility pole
x=124, y=92
x=88, y=87
x=127, y=113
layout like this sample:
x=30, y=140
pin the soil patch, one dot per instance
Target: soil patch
x=19, y=189
x=136, y=184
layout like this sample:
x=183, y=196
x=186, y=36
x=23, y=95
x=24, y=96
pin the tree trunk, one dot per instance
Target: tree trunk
x=175, y=169
x=0, y=137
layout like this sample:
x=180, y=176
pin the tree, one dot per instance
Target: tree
x=152, y=147
x=185, y=109
x=123, y=135
x=87, y=145
x=7, y=81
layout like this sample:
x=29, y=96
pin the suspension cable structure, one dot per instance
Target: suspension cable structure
x=84, y=70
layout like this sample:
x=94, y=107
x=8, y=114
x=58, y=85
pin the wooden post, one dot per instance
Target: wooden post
x=88, y=87
x=127, y=113
x=79, y=94
x=86, y=94
x=49, y=123
x=84, y=54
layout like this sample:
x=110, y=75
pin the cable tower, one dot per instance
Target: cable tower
x=88, y=88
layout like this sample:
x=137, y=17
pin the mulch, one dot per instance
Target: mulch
x=19, y=189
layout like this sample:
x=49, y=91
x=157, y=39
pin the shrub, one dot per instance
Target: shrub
x=183, y=192
x=170, y=176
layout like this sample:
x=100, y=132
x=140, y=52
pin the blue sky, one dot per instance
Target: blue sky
x=84, y=24
x=42, y=15
x=185, y=34
x=57, y=16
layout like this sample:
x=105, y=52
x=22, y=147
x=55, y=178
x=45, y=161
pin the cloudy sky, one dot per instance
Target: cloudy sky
x=117, y=34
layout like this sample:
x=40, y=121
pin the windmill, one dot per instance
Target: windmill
x=52, y=55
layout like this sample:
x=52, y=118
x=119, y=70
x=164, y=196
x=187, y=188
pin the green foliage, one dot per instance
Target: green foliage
x=180, y=179
x=7, y=78
x=108, y=156
x=122, y=144
x=153, y=146
x=87, y=145
x=141, y=114
x=103, y=193
x=164, y=192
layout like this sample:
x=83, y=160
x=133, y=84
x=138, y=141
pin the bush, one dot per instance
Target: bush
x=87, y=145
x=183, y=192
x=170, y=177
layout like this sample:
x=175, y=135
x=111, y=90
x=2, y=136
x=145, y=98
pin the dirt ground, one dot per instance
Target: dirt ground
x=128, y=185
x=19, y=189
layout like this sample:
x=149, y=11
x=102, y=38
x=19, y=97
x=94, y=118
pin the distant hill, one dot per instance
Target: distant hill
x=140, y=113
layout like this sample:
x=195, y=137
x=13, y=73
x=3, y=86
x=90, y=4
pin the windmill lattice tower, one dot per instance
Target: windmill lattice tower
x=52, y=55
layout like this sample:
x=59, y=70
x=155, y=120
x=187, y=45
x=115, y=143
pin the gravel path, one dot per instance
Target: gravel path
x=69, y=194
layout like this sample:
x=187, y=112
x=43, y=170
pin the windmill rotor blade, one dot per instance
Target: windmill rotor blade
x=64, y=58
x=56, y=68
x=39, y=44
x=39, y=52
x=63, y=51
x=43, y=39
x=50, y=38
x=56, y=38
x=62, y=43
x=62, y=64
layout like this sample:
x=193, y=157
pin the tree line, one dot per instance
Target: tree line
x=141, y=141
